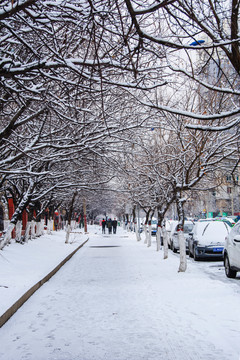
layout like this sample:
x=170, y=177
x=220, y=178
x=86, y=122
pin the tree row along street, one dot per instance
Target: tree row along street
x=118, y=299
x=115, y=105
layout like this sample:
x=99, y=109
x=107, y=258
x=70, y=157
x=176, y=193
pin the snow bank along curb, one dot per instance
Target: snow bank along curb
x=6, y=316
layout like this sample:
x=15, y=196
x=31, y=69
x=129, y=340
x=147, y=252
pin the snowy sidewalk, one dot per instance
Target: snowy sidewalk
x=116, y=299
x=23, y=266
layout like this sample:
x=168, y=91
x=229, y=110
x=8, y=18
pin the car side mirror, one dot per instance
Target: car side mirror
x=237, y=238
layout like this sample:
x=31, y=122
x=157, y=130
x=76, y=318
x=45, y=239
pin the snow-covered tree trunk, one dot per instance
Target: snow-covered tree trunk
x=145, y=233
x=138, y=236
x=27, y=232
x=33, y=230
x=39, y=226
x=18, y=231
x=158, y=238
x=181, y=238
x=74, y=224
x=7, y=235
x=49, y=227
x=17, y=214
x=70, y=217
x=42, y=228
x=68, y=233
x=165, y=243
x=134, y=219
x=149, y=241
x=161, y=224
x=182, y=248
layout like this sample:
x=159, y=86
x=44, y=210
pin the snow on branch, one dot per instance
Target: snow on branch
x=214, y=128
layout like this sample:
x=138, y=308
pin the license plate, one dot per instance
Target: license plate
x=217, y=249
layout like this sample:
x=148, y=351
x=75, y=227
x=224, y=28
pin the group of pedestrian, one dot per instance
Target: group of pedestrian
x=110, y=224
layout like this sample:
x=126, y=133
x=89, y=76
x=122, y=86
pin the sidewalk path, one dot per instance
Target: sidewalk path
x=116, y=299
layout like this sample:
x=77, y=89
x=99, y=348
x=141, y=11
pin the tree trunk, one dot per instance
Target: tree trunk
x=70, y=217
x=165, y=242
x=17, y=215
x=33, y=230
x=149, y=241
x=158, y=237
x=138, y=236
x=145, y=226
x=159, y=228
x=39, y=230
x=162, y=224
x=181, y=238
x=135, y=224
x=49, y=227
x=27, y=232
x=68, y=230
x=7, y=235
x=145, y=233
x=18, y=231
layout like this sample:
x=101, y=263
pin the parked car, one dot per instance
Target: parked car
x=174, y=243
x=232, y=252
x=207, y=239
x=229, y=221
x=154, y=224
x=170, y=227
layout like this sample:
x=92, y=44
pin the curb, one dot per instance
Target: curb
x=6, y=316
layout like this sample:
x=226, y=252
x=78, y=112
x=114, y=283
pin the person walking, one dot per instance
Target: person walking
x=103, y=226
x=114, y=225
x=109, y=225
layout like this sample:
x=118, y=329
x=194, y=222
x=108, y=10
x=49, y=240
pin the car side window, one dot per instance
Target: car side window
x=235, y=230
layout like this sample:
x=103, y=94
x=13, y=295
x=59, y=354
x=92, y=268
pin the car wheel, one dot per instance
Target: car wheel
x=173, y=248
x=228, y=271
x=196, y=258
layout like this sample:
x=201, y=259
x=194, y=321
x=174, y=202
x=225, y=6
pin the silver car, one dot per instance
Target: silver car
x=208, y=239
x=232, y=252
x=174, y=242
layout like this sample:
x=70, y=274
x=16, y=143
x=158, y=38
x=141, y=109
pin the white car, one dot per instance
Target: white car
x=154, y=224
x=208, y=239
x=232, y=252
x=174, y=242
x=170, y=227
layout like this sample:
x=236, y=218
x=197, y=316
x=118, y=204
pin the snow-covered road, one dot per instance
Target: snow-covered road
x=116, y=299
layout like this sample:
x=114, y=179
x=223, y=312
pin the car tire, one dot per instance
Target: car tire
x=196, y=258
x=228, y=271
x=173, y=248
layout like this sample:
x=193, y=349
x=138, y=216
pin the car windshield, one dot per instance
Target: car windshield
x=215, y=231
